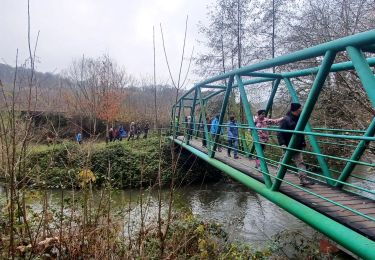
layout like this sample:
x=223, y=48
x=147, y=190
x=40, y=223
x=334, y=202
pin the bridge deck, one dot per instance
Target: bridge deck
x=346, y=217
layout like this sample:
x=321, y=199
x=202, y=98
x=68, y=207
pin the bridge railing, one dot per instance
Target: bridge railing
x=328, y=167
x=274, y=154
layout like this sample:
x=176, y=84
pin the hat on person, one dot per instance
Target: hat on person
x=262, y=111
x=295, y=106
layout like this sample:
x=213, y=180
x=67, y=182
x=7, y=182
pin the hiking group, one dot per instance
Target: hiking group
x=288, y=122
x=134, y=132
x=119, y=133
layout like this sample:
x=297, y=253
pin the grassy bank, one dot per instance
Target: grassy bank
x=124, y=164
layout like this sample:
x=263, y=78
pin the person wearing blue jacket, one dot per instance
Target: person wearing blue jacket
x=79, y=138
x=233, y=137
x=214, y=131
x=122, y=133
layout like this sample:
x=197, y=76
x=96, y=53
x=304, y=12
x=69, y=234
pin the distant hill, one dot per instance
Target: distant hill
x=43, y=80
x=46, y=93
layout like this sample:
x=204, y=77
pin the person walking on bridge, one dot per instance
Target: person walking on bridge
x=214, y=131
x=233, y=137
x=261, y=121
x=289, y=122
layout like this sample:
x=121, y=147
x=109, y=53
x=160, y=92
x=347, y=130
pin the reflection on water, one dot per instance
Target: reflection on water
x=244, y=215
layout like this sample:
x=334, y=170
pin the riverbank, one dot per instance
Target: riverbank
x=51, y=218
x=122, y=164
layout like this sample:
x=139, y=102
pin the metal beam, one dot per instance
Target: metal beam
x=254, y=133
x=222, y=113
x=192, y=116
x=213, y=86
x=308, y=72
x=272, y=96
x=305, y=115
x=263, y=74
x=357, y=40
x=203, y=112
x=364, y=72
x=314, y=143
x=361, y=148
x=213, y=94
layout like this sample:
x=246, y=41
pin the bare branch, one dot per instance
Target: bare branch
x=166, y=57
x=183, y=53
x=188, y=70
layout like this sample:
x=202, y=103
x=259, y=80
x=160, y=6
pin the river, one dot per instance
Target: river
x=243, y=214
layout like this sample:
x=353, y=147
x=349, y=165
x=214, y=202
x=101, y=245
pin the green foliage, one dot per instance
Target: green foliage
x=190, y=238
x=118, y=164
x=126, y=165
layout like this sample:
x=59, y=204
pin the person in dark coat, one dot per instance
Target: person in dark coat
x=111, y=135
x=289, y=122
x=137, y=131
x=147, y=127
x=131, y=131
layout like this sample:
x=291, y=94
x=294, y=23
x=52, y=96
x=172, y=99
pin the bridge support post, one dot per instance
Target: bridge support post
x=254, y=132
x=364, y=72
x=314, y=144
x=222, y=113
x=206, y=134
x=359, y=150
x=190, y=129
x=272, y=96
x=197, y=129
x=329, y=57
x=368, y=81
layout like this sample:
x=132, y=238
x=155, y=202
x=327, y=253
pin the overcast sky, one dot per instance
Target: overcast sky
x=120, y=28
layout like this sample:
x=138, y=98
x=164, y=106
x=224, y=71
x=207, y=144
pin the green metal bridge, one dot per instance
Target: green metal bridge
x=341, y=203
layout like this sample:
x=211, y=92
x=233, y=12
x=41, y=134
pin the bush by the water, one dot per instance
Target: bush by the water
x=120, y=164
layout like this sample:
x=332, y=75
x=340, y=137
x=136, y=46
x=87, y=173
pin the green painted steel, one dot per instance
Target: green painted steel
x=214, y=86
x=364, y=72
x=254, y=133
x=192, y=115
x=349, y=167
x=222, y=113
x=272, y=96
x=356, y=243
x=213, y=94
x=306, y=112
x=263, y=75
x=313, y=141
x=359, y=39
x=357, y=141
x=205, y=123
